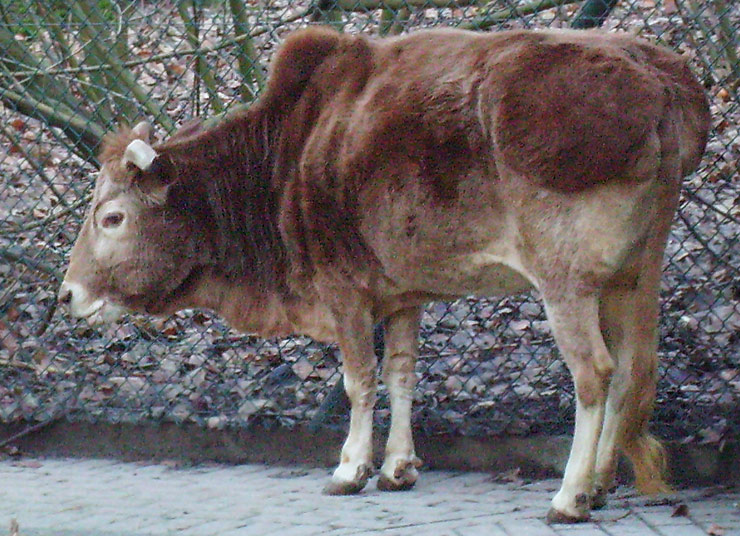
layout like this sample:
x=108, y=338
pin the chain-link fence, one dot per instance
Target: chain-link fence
x=71, y=71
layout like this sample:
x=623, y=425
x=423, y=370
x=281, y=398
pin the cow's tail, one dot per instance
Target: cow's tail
x=682, y=132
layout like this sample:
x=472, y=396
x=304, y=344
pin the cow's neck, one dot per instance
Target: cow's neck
x=225, y=185
x=266, y=313
x=231, y=182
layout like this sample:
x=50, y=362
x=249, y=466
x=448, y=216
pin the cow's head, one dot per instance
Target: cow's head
x=135, y=251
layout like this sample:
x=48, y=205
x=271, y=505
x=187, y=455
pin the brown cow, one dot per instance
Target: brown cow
x=373, y=176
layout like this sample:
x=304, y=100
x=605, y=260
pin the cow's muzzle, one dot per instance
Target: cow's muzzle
x=82, y=305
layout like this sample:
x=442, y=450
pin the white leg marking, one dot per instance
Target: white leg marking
x=354, y=323
x=357, y=452
x=399, y=470
x=399, y=466
x=575, y=323
x=578, y=476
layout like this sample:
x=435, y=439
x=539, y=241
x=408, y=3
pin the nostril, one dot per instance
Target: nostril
x=65, y=296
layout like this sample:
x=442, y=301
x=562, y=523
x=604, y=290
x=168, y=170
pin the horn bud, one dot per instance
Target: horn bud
x=140, y=154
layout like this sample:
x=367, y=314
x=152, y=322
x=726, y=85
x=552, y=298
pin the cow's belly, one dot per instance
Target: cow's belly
x=470, y=276
x=494, y=270
x=464, y=246
x=486, y=274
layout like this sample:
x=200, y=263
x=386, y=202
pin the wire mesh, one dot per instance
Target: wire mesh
x=72, y=71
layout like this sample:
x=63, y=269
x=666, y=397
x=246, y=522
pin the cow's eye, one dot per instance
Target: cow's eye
x=111, y=220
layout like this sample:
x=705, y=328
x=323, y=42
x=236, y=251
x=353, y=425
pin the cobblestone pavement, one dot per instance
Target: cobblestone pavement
x=67, y=497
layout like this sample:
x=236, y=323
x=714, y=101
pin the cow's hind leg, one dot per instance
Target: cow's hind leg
x=575, y=324
x=399, y=470
x=355, y=334
x=629, y=320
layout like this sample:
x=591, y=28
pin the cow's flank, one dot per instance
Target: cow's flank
x=373, y=176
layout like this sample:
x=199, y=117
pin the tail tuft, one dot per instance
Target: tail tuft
x=649, y=463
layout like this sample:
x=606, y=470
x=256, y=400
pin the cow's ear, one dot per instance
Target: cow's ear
x=153, y=173
x=155, y=182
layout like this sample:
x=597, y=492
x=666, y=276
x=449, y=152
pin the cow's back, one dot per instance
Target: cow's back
x=565, y=109
x=570, y=109
x=409, y=162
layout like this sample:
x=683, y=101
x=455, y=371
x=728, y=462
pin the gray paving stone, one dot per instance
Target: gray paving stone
x=111, y=498
x=486, y=529
x=528, y=527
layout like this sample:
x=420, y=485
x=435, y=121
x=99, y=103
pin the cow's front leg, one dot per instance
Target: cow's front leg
x=355, y=334
x=399, y=470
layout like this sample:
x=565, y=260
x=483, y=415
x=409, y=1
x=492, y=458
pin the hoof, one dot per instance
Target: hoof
x=343, y=488
x=580, y=514
x=603, y=485
x=404, y=476
x=556, y=517
x=387, y=484
x=349, y=487
x=598, y=499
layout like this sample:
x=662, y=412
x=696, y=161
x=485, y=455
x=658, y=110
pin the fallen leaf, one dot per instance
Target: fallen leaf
x=512, y=476
x=172, y=464
x=18, y=124
x=669, y=6
x=519, y=325
x=28, y=464
x=170, y=331
x=681, y=511
x=8, y=339
x=11, y=450
x=709, y=435
x=12, y=314
x=303, y=368
x=174, y=70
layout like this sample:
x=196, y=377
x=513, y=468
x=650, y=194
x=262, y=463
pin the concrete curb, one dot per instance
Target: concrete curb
x=534, y=457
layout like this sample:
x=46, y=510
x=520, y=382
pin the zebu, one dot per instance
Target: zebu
x=375, y=175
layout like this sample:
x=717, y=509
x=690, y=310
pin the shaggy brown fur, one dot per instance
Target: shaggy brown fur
x=375, y=175
x=589, y=105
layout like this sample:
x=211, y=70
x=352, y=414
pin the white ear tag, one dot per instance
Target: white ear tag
x=140, y=154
